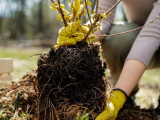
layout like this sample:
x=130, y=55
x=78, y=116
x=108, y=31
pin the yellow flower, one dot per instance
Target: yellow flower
x=104, y=15
x=109, y=14
x=65, y=12
x=59, y=17
x=53, y=6
x=89, y=3
x=62, y=6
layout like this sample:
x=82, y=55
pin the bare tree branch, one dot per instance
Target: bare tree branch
x=88, y=15
x=98, y=17
x=157, y=17
x=97, y=3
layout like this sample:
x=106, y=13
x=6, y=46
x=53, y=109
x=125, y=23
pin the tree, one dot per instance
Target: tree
x=40, y=17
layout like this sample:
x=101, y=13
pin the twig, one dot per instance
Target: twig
x=94, y=24
x=97, y=19
x=88, y=15
x=60, y=11
x=109, y=10
x=132, y=29
x=52, y=1
x=74, y=13
x=81, y=12
x=97, y=3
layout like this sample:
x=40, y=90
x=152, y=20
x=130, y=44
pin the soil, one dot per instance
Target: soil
x=70, y=80
x=64, y=95
x=27, y=93
x=135, y=113
x=20, y=96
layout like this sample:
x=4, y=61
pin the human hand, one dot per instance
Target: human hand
x=113, y=105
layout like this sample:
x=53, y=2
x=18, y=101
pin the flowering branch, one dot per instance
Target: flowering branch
x=60, y=11
x=98, y=17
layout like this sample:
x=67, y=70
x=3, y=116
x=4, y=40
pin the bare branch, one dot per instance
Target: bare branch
x=81, y=13
x=74, y=13
x=98, y=17
x=97, y=3
x=132, y=29
x=93, y=25
x=88, y=15
x=115, y=5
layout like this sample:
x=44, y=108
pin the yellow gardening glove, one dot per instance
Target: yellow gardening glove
x=115, y=103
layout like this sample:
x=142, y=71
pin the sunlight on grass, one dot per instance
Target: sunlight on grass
x=152, y=76
x=25, y=60
x=148, y=94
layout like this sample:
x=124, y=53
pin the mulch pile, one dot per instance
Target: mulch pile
x=19, y=99
x=70, y=80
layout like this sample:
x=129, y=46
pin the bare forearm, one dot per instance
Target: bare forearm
x=130, y=75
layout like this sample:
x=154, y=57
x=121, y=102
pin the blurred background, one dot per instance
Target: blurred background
x=29, y=28
x=26, y=20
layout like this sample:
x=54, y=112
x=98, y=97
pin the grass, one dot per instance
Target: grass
x=24, y=60
x=147, y=96
x=152, y=76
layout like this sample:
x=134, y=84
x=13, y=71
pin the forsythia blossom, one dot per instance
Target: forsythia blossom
x=74, y=31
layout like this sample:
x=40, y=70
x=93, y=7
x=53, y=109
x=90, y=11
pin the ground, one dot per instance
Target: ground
x=146, y=97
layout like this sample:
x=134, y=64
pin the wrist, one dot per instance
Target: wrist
x=121, y=91
x=118, y=98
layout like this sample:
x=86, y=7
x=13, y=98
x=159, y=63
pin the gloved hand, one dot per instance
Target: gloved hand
x=113, y=105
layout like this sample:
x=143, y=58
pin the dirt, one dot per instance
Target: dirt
x=71, y=79
x=19, y=98
x=64, y=96
x=27, y=95
x=135, y=113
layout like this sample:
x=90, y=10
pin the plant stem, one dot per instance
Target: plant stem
x=99, y=17
x=131, y=30
x=61, y=12
x=88, y=15
x=97, y=3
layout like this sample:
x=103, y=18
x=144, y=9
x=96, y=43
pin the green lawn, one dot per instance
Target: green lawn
x=24, y=59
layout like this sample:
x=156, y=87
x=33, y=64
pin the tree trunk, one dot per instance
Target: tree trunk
x=22, y=18
x=40, y=17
